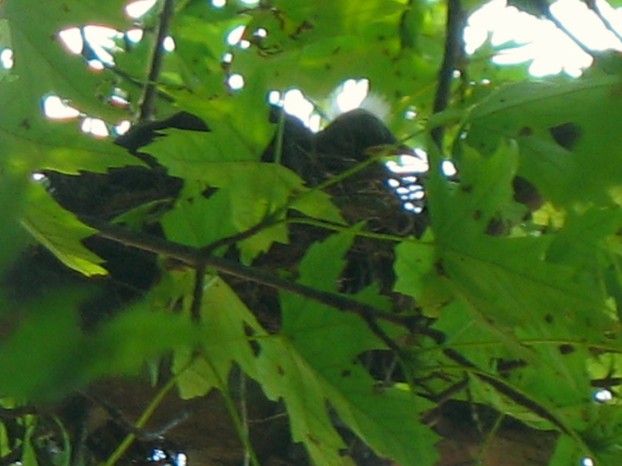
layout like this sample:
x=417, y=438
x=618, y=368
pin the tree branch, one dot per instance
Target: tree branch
x=196, y=258
x=197, y=294
x=453, y=51
x=147, y=107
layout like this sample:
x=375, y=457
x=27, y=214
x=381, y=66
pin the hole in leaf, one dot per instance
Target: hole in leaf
x=566, y=135
x=566, y=349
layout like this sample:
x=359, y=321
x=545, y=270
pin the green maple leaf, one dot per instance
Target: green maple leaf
x=312, y=365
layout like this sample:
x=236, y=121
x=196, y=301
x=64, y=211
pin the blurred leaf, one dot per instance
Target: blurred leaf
x=29, y=455
x=31, y=142
x=322, y=44
x=60, y=232
x=48, y=355
x=42, y=63
x=12, y=190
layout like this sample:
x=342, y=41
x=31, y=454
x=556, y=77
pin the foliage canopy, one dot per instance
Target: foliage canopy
x=499, y=304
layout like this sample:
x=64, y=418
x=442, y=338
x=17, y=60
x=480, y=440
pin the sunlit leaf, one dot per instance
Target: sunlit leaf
x=566, y=131
x=314, y=362
x=227, y=322
x=42, y=63
x=60, y=232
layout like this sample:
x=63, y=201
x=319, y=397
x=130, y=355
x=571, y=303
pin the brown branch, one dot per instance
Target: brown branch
x=147, y=107
x=432, y=416
x=197, y=294
x=454, y=49
x=20, y=411
x=196, y=258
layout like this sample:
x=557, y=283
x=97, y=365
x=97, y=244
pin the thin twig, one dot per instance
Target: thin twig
x=135, y=82
x=114, y=458
x=432, y=416
x=244, y=416
x=562, y=27
x=147, y=107
x=197, y=294
x=592, y=5
x=119, y=418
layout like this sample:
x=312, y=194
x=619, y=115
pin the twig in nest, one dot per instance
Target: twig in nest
x=13, y=457
x=147, y=107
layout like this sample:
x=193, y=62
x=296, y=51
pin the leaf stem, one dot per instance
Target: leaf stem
x=129, y=439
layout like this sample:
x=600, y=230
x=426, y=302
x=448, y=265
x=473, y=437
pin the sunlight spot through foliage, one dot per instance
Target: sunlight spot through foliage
x=169, y=44
x=95, y=126
x=527, y=38
x=603, y=396
x=236, y=81
x=71, y=38
x=6, y=59
x=134, y=35
x=57, y=109
x=138, y=8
